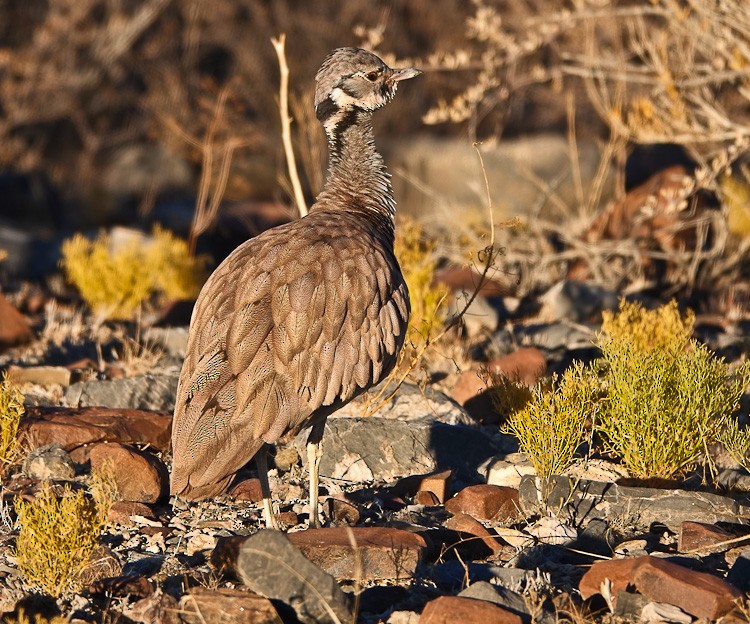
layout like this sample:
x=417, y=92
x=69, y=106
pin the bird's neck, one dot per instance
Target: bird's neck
x=357, y=176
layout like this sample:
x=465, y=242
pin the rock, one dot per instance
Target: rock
x=342, y=511
x=480, y=318
x=576, y=302
x=451, y=609
x=226, y=606
x=172, y=339
x=365, y=449
x=124, y=512
x=551, y=530
x=508, y=469
x=410, y=403
x=157, y=607
x=384, y=553
x=435, y=482
x=103, y=563
x=42, y=375
x=14, y=328
x=139, y=476
x=662, y=612
x=510, y=600
x=464, y=279
x=739, y=573
x=469, y=385
x=584, y=499
x=697, y=593
x=200, y=543
x=247, y=490
x=143, y=392
x=72, y=428
x=49, y=462
x=122, y=587
x=463, y=523
x=557, y=336
x=270, y=565
x=698, y=536
x=527, y=365
x=486, y=502
x=426, y=498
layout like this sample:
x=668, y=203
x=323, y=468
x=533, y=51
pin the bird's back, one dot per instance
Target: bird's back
x=293, y=324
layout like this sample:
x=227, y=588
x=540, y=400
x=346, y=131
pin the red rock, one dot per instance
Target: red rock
x=467, y=386
x=74, y=427
x=235, y=606
x=139, y=476
x=466, y=524
x=123, y=587
x=464, y=279
x=486, y=502
x=14, y=328
x=247, y=490
x=103, y=563
x=384, y=553
x=342, y=511
x=698, y=536
x=289, y=518
x=436, y=482
x=426, y=498
x=452, y=609
x=527, y=365
x=699, y=594
x=122, y=512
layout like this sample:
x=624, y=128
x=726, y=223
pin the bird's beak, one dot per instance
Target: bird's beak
x=404, y=74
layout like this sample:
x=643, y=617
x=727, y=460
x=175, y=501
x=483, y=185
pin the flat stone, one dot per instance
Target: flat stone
x=226, y=606
x=75, y=427
x=451, y=609
x=270, y=565
x=486, y=502
x=172, y=339
x=508, y=469
x=552, y=530
x=464, y=523
x=247, y=490
x=365, y=449
x=123, y=512
x=384, y=553
x=527, y=364
x=426, y=498
x=701, y=537
x=436, y=482
x=42, y=375
x=49, y=463
x=103, y=563
x=586, y=499
x=576, y=302
x=139, y=476
x=14, y=328
x=510, y=600
x=697, y=593
x=143, y=392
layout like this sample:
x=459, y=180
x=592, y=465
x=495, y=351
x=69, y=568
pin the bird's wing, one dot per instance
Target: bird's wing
x=297, y=326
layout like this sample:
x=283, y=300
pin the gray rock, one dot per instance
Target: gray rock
x=49, y=462
x=480, y=318
x=640, y=506
x=508, y=599
x=366, y=449
x=558, y=335
x=576, y=302
x=147, y=392
x=172, y=339
x=271, y=566
x=408, y=403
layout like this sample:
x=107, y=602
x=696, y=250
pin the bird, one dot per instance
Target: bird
x=303, y=318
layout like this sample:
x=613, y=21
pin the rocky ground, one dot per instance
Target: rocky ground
x=431, y=515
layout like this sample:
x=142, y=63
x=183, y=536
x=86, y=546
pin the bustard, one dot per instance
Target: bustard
x=303, y=318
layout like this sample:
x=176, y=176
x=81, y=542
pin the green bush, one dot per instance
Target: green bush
x=552, y=425
x=667, y=396
x=115, y=284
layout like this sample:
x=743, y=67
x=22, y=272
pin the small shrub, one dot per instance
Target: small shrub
x=115, y=284
x=11, y=411
x=507, y=395
x=57, y=535
x=552, y=425
x=668, y=396
x=736, y=441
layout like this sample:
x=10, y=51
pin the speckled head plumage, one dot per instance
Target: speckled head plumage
x=352, y=79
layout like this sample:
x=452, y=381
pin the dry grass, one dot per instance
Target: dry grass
x=11, y=411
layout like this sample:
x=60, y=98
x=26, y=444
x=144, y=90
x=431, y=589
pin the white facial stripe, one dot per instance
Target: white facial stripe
x=342, y=99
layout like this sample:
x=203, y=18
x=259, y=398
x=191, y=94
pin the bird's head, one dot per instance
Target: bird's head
x=352, y=79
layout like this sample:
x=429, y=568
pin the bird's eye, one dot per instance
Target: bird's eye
x=372, y=76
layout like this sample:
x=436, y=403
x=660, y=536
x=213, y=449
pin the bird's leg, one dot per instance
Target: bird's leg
x=314, y=453
x=261, y=461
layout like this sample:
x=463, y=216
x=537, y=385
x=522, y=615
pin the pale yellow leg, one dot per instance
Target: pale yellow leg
x=261, y=461
x=314, y=453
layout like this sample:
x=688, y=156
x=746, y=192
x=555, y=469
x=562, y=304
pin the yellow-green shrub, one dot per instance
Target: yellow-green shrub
x=736, y=441
x=115, y=284
x=57, y=535
x=552, y=425
x=11, y=411
x=668, y=396
x=508, y=396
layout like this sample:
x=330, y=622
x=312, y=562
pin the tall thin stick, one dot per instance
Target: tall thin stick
x=286, y=124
